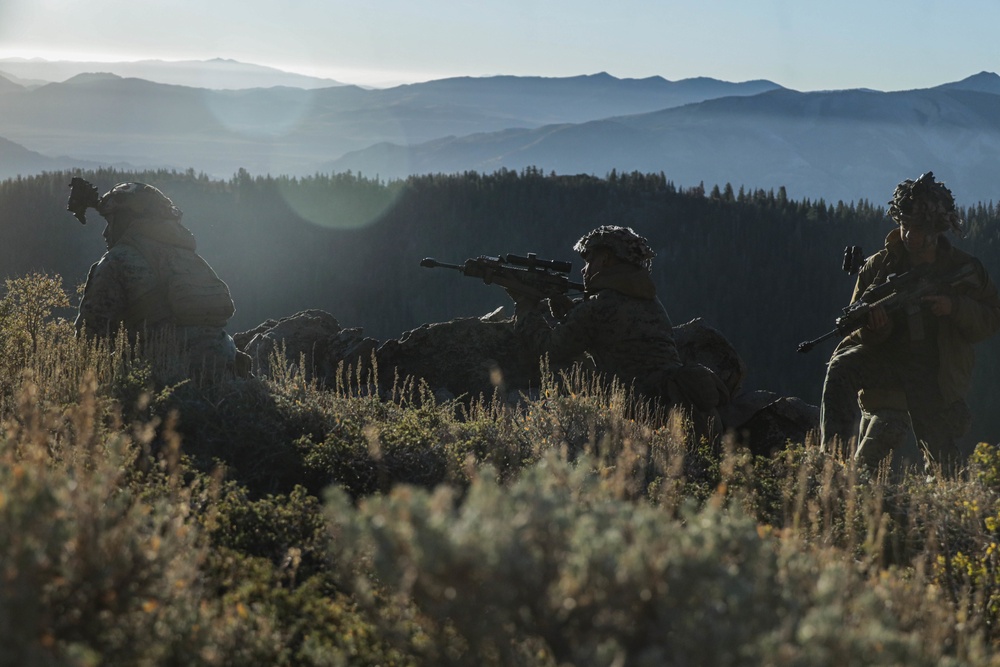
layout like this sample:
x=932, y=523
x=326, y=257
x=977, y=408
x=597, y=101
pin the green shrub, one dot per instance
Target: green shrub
x=96, y=569
x=558, y=561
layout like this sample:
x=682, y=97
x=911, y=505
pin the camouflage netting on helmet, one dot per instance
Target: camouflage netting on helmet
x=622, y=241
x=138, y=200
x=925, y=203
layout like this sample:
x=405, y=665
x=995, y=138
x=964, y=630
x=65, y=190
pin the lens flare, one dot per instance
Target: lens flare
x=340, y=201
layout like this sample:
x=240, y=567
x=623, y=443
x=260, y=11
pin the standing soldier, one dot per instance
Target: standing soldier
x=621, y=326
x=151, y=280
x=922, y=353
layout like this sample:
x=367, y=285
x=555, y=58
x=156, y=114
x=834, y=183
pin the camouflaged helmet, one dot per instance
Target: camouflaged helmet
x=138, y=200
x=622, y=241
x=925, y=203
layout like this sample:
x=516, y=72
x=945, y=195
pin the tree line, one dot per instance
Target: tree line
x=759, y=266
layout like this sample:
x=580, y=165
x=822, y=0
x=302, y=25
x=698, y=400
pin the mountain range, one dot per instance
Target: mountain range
x=288, y=130
x=840, y=145
x=837, y=145
x=220, y=73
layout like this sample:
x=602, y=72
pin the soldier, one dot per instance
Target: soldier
x=924, y=352
x=619, y=325
x=152, y=281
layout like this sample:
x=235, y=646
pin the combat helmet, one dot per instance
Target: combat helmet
x=622, y=241
x=137, y=200
x=925, y=203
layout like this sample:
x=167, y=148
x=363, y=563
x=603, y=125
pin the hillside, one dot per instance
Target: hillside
x=16, y=159
x=842, y=145
x=284, y=130
x=760, y=266
x=9, y=86
x=837, y=145
x=270, y=521
x=275, y=520
x=217, y=73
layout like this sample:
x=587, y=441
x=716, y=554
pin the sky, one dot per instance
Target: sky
x=801, y=44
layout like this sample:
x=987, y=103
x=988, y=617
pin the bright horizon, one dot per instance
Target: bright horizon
x=887, y=45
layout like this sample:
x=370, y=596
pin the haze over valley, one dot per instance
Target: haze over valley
x=837, y=145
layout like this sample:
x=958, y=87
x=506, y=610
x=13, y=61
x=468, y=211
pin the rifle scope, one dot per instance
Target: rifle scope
x=532, y=262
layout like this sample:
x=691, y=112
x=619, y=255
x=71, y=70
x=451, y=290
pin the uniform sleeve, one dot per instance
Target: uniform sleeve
x=976, y=312
x=104, y=299
x=566, y=341
x=866, y=278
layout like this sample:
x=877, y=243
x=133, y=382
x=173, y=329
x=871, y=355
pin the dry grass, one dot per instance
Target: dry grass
x=144, y=522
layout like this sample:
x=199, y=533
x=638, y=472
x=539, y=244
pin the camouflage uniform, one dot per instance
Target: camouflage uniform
x=885, y=424
x=928, y=358
x=620, y=325
x=622, y=328
x=129, y=285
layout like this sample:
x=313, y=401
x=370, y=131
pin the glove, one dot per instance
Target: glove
x=560, y=306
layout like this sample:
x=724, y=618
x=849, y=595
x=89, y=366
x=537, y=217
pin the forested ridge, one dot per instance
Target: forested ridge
x=759, y=266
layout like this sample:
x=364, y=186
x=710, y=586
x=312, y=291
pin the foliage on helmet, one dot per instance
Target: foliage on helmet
x=624, y=242
x=82, y=195
x=138, y=200
x=925, y=202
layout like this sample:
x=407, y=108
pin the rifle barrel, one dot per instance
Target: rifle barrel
x=810, y=344
x=431, y=263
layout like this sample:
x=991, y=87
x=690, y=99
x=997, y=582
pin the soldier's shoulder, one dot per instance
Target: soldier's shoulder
x=874, y=264
x=960, y=256
x=125, y=253
x=878, y=258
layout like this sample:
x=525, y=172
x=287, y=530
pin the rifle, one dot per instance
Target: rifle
x=898, y=291
x=540, y=278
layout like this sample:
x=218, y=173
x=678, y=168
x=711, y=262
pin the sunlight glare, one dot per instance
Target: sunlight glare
x=339, y=201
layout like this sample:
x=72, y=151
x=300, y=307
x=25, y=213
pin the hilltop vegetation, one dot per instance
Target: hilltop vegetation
x=275, y=522
x=760, y=267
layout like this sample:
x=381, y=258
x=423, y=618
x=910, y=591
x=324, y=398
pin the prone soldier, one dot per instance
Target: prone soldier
x=621, y=327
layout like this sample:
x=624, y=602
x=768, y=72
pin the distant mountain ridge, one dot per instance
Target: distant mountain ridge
x=296, y=131
x=16, y=159
x=837, y=145
x=9, y=86
x=218, y=73
x=984, y=82
x=587, y=97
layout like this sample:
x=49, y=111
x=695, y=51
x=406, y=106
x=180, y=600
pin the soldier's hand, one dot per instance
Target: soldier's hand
x=939, y=305
x=877, y=318
x=559, y=305
x=522, y=299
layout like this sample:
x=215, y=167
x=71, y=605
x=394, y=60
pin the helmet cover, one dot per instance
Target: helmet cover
x=925, y=203
x=624, y=242
x=138, y=200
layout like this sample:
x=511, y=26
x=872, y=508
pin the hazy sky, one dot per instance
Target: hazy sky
x=801, y=44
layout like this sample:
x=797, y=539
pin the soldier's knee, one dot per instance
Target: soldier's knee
x=243, y=365
x=883, y=432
